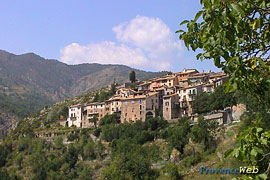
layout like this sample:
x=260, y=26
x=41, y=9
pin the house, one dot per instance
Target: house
x=187, y=96
x=96, y=109
x=171, y=107
x=139, y=107
x=208, y=88
x=168, y=80
x=113, y=105
x=124, y=92
x=184, y=74
x=218, y=79
x=75, y=116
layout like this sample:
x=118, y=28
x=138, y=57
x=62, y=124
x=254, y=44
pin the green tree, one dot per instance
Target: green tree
x=132, y=76
x=201, y=103
x=51, y=117
x=85, y=174
x=3, y=155
x=204, y=131
x=177, y=135
x=254, y=150
x=236, y=35
x=94, y=120
x=89, y=151
x=38, y=163
x=109, y=119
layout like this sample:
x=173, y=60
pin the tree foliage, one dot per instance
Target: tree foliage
x=109, y=119
x=218, y=100
x=254, y=150
x=236, y=35
x=204, y=131
x=132, y=76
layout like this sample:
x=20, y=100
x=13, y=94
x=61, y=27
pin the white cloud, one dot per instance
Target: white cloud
x=143, y=42
x=150, y=34
x=104, y=53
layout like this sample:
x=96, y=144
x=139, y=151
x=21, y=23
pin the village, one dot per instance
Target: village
x=170, y=96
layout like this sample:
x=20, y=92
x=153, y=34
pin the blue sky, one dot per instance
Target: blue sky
x=137, y=33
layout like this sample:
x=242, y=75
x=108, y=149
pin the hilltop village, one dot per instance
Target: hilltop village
x=169, y=96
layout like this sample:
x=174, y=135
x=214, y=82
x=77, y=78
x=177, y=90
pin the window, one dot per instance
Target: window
x=140, y=107
x=112, y=109
x=167, y=109
x=132, y=101
x=125, y=101
x=140, y=100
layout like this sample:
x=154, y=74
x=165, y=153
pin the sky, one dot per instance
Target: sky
x=140, y=34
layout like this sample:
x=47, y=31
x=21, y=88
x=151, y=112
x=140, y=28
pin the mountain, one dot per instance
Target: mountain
x=28, y=82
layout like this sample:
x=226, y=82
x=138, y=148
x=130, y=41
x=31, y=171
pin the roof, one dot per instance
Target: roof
x=140, y=96
x=76, y=105
x=192, y=86
x=164, y=78
x=96, y=103
x=208, y=84
x=194, y=77
x=114, y=98
x=159, y=88
x=218, y=74
x=170, y=95
x=134, y=97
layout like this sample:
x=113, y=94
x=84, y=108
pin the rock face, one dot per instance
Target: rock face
x=237, y=111
x=7, y=123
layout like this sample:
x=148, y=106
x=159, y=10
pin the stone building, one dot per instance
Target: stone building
x=92, y=110
x=139, y=107
x=113, y=105
x=171, y=106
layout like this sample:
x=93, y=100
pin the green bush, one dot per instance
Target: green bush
x=191, y=160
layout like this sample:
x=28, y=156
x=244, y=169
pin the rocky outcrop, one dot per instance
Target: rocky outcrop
x=7, y=123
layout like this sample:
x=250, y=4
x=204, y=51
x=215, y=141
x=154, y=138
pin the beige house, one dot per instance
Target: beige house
x=113, y=105
x=208, y=88
x=92, y=110
x=139, y=107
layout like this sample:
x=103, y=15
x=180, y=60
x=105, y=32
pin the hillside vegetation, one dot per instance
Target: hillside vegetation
x=29, y=82
x=39, y=148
